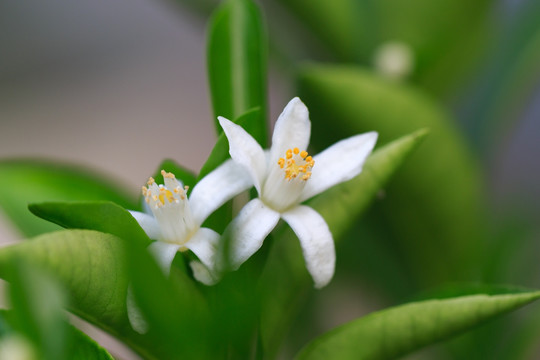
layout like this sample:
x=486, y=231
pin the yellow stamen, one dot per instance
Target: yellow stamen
x=167, y=175
x=295, y=164
x=288, y=154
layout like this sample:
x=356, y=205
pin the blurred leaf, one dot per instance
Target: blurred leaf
x=176, y=313
x=434, y=207
x=237, y=64
x=91, y=267
x=24, y=180
x=285, y=281
x=101, y=216
x=338, y=23
x=397, y=331
x=511, y=78
x=220, y=152
x=38, y=303
x=80, y=345
x=445, y=37
x=186, y=176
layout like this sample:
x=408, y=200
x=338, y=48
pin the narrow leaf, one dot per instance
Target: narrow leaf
x=285, y=282
x=24, y=180
x=397, y=331
x=101, y=216
x=237, y=64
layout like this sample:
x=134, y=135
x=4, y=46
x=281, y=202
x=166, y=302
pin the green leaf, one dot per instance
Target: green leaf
x=91, y=267
x=23, y=181
x=101, y=216
x=176, y=313
x=38, y=303
x=80, y=346
x=445, y=37
x=181, y=173
x=441, y=183
x=285, y=281
x=397, y=331
x=512, y=79
x=237, y=64
x=83, y=347
x=220, y=152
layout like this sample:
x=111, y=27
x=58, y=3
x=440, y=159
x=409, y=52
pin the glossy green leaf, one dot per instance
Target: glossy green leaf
x=186, y=176
x=397, y=331
x=285, y=281
x=237, y=64
x=434, y=207
x=220, y=152
x=25, y=181
x=91, y=267
x=101, y=216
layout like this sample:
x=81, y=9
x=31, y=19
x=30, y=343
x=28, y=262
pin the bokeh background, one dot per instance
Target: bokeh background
x=119, y=85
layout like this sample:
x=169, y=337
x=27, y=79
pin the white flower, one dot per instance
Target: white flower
x=176, y=219
x=284, y=177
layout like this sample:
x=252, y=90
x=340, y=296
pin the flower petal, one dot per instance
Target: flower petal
x=202, y=274
x=340, y=162
x=245, y=151
x=248, y=230
x=148, y=223
x=226, y=181
x=164, y=254
x=292, y=129
x=316, y=242
x=204, y=244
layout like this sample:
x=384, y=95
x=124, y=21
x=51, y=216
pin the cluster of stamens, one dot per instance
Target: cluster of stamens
x=296, y=164
x=160, y=195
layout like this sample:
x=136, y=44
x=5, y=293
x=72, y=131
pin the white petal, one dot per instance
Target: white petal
x=292, y=129
x=248, y=230
x=316, y=242
x=226, y=181
x=245, y=151
x=340, y=162
x=204, y=244
x=135, y=317
x=202, y=274
x=164, y=254
x=148, y=223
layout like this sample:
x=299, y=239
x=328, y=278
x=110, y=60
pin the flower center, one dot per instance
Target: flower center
x=170, y=207
x=296, y=164
x=284, y=185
